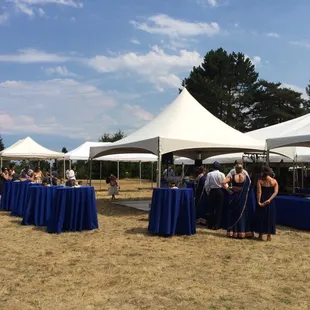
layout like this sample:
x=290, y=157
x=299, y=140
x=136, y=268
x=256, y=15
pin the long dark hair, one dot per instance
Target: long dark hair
x=266, y=171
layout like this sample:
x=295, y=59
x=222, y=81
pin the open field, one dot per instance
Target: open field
x=121, y=266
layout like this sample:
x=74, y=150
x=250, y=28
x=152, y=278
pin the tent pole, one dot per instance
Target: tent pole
x=118, y=170
x=267, y=157
x=152, y=173
x=100, y=173
x=90, y=170
x=65, y=170
x=1, y=162
x=140, y=174
x=70, y=164
x=294, y=176
x=158, y=172
x=302, y=175
x=182, y=175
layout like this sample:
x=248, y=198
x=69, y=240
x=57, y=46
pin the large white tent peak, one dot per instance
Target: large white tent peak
x=29, y=149
x=186, y=128
x=82, y=151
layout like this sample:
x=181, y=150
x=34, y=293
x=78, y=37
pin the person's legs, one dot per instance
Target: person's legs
x=219, y=208
x=212, y=206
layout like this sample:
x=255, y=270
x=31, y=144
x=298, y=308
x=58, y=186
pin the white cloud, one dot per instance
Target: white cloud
x=256, y=60
x=3, y=18
x=59, y=70
x=273, y=35
x=212, y=3
x=301, y=43
x=296, y=88
x=41, y=12
x=165, y=25
x=156, y=66
x=61, y=106
x=30, y=7
x=134, y=41
x=33, y=56
x=139, y=112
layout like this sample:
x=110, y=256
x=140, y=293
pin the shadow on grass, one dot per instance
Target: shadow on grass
x=144, y=231
x=108, y=209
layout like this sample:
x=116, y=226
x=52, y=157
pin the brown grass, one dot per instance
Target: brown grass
x=121, y=266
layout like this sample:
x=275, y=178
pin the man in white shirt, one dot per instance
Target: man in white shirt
x=214, y=189
x=70, y=175
x=169, y=173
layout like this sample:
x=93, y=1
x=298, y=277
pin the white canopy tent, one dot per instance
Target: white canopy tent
x=29, y=149
x=185, y=128
x=299, y=126
x=82, y=151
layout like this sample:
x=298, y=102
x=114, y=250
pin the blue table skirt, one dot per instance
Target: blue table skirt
x=74, y=209
x=172, y=212
x=293, y=211
x=7, y=198
x=20, y=197
x=38, y=205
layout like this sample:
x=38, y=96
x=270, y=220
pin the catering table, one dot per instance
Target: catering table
x=172, y=212
x=38, y=205
x=7, y=199
x=73, y=209
x=293, y=211
x=19, y=194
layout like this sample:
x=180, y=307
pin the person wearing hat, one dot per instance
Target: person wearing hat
x=214, y=189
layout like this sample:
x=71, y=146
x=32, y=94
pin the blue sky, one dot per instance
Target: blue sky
x=72, y=70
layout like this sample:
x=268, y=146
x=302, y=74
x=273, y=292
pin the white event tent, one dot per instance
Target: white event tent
x=28, y=149
x=185, y=128
x=299, y=126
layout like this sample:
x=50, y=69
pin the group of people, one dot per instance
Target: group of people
x=242, y=221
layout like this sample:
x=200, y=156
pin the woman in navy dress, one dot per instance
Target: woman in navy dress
x=265, y=215
x=238, y=221
x=200, y=197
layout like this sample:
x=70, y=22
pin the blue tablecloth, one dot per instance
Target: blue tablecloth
x=172, y=212
x=20, y=197
x=74, y=209
x=7, y=198
x=293, y=212
x=38, y=205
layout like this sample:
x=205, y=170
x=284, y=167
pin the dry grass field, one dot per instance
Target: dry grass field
x=120, y=266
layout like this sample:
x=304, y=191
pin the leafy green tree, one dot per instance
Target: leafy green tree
x=107, y=137
x=273, y=104
x=308, y=90
x=222, y=85
x=1, y=144
x=64, y=150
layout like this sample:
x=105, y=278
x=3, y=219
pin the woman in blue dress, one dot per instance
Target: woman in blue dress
x=238, y=221
x=265, y=215
x=200, y=197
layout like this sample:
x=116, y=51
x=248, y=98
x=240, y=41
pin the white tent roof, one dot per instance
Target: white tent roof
x=29, y=149
x=295, y=127
x=82, y=151
x=186, y=128
x=135, y=158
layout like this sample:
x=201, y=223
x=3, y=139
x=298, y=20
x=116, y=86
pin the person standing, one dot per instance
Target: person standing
x=214, y=189
x=239, y=221
x=113, y=189
x=200, y=201
x=265, y=215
